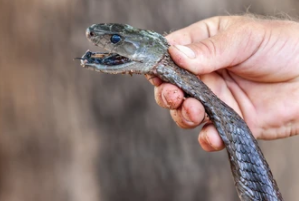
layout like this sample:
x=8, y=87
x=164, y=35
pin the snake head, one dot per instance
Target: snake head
x=129, y=50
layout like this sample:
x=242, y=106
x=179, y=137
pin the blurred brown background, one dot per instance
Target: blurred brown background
x=68, y=134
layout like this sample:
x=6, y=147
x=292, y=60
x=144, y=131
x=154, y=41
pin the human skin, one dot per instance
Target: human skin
x=252, y=64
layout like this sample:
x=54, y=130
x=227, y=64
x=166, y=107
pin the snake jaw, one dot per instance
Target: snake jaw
x=111, y=63
x=103, y=58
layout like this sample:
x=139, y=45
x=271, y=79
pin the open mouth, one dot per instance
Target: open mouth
x=105, y=59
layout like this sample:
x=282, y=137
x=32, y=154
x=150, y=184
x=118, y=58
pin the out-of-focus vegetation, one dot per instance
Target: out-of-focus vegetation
x=71, y=134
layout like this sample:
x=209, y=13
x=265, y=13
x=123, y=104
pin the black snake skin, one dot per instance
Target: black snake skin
x=251, y=173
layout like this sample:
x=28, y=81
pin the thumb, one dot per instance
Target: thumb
x=220, y=51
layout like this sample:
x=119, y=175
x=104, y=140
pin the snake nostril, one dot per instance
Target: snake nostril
x=89, y=33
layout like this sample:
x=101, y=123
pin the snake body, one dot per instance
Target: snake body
x=145, y=52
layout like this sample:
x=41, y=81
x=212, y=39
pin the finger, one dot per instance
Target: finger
x=168, y=96
x=154, y=80
x=226, y=49
x=209, y=139
x=190, y=114
x=197, y=31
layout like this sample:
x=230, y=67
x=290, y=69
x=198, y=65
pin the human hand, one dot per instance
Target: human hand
x=251, y=64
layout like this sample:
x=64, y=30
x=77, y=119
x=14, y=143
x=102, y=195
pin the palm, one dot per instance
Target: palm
x=266, y=107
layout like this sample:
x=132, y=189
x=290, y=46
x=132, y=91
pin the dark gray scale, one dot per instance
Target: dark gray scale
x=251, y=172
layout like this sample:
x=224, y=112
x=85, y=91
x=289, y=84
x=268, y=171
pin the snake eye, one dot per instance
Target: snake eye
x=115, y=38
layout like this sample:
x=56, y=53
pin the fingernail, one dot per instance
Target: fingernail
x=186, y=50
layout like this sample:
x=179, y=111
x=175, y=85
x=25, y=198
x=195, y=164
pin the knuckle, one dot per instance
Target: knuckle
x=207, y=47
x=173, y=97
x=177, y=118
x=180, y=121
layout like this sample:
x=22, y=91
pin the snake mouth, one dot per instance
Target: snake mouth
x=102, y=58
